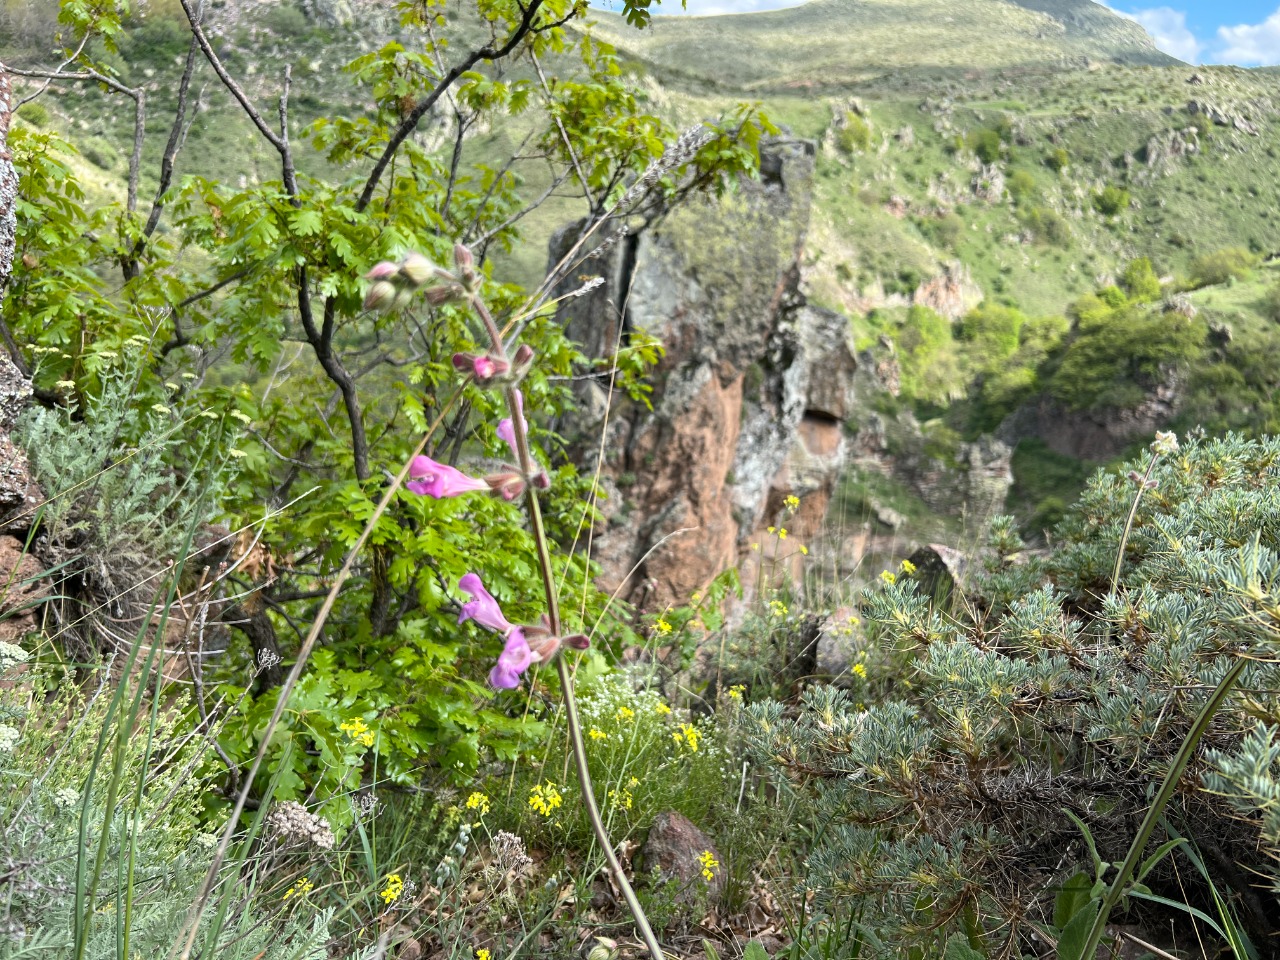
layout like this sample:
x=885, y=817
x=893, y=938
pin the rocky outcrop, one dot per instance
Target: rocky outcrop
x=1165, y=151
x=1223, y=117
x=950, y=294
x=748, y=401
x=1093, y=435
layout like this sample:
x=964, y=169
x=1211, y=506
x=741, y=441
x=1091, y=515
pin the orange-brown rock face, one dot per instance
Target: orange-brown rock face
x=747, y=403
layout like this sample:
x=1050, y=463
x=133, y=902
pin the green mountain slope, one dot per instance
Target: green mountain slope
x=833, y=44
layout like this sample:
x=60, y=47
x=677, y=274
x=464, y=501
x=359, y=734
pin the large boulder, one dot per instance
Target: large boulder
x=748, y=401
x=679, y=851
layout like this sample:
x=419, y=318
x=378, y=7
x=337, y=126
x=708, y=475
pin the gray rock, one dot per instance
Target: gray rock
x=675, y=846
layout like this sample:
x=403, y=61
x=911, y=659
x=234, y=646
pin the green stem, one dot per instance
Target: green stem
x=1128, y=527
x=1162, y=798
x=576, y=743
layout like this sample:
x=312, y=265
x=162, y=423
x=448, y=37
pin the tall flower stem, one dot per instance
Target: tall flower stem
x=1128, y=525
x=576, y=743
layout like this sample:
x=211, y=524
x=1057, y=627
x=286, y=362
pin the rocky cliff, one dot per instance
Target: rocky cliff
x=748, y=401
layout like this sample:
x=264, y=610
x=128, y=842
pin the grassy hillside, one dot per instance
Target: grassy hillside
x=829, y=45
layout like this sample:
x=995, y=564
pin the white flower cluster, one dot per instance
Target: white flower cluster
x=291, y=822
x=8, y=738
x=11, y=655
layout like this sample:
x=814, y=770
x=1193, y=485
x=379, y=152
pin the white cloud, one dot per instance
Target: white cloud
x=1250, y=44
x=1168, y=28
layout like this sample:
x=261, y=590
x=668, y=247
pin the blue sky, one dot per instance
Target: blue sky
x=1243, y=32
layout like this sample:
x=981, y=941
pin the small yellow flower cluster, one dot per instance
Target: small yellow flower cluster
x=777, y=608
x=735, y=692
x=781, y=532
x=908, y=567
x=850, y=623
x=662, y=626
x=686, y=736
x=859, y=670
x=596, y=734
x=544, y=798
x=355, y=728
x=478, y=801
x=888, y=577
x=709, y=863
x=624, y=714
x=621, y=798
x=299, y=889
x=392, y=891
x=662, y=709
x=792, y=502
x=483, y=954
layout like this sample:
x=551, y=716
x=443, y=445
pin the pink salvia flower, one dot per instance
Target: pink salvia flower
x=513, y=661
x=507, y=432
x=431, y=479
x=482, y=608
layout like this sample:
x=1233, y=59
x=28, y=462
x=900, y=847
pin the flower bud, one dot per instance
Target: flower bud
x=507, y=485
x=449, y=292
x=484, y=368
x=381, y=295
x=605, y=949
x=383, y=270
x=417, y=269
x=1164, y=443
x=463, y=257
x=578, y=641
x=541, y=481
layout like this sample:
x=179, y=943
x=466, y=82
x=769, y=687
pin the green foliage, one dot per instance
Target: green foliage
x=1111, y=201
x=1034, y=688
x=1117, y=354
x=1140, y=281
x=34, y=113
x=1047, y=226
x=1222, y=266
x=1270, y=305
x=986, y=144
x=855, y=135
x=991, y=332
x=1021, y=185
x=1058, y=159
x=929, y=363
x=265, y=395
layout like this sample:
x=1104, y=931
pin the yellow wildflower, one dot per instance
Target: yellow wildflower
x=483, y=954
x=478, y=801
x=755, y=546
x=662, y=626
x=777, y=608
x=355, y=729
x=735, y=692
x=662, y=709
x=709, y=863
x=595, y=734
x=621, y=799
x=686, y=736
x=392, y=891
x=697, y=597
x=804, y=551
x=782, y=534
x=545, y=798
x=299, y=889
x=625, y=713
x=772, y=529
x=792, y=501
x=888, y=577
x=908, y=567
x=860, y=670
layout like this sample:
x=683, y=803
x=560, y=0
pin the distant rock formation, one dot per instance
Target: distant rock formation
x=748, y=402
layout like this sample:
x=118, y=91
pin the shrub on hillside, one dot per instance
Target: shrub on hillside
x=855, y=135
x=1111, y=200
x=1021, y=185
x=1139, y=280
x=1058, y=160
x=986, y=737
x=986, y=144
x=1118, y=355
x=1220, y=266
x=1270, y=306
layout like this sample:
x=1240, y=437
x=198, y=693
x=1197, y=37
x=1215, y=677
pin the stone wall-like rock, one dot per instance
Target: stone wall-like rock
x=748, y=401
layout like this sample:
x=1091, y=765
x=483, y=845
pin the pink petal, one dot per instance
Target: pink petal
x=440, y=480
x=482, y=608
